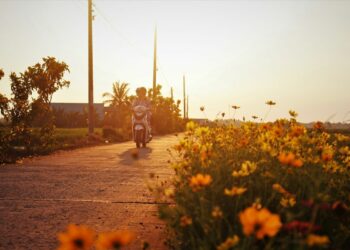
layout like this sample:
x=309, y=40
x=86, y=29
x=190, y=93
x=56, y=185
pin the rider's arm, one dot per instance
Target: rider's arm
x=134, y=103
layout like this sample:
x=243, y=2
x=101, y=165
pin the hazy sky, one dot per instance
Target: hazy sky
x=244, y=53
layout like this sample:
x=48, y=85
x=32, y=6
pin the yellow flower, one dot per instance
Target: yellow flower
x=182, y=144
x=199, y=181
x=268, y=174
x=228, y=243
x=293, y=113
x=114, y=240
x=271, y=103
x=185, y=221
x=288, y=201
x=257, y=204
x=169, y=192
x=235, y=191
x=216, y=212
x=205, y=153
x=247, y=168
x=280, y=189
x=190, y=126
x=341, y=137
x=317, y=240
x=202, y=131
x=76, y=238
x=260, y=222
x=344, y=150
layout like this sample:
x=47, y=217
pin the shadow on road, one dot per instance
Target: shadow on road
x=132, y=155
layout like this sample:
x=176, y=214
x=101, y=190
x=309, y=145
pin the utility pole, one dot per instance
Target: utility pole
x=155, y=64
x=184, y=99
x=187, y=108
x=172, y=93
x=91, y=72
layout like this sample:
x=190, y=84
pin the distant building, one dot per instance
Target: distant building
x=79, y=107
x=200, y=121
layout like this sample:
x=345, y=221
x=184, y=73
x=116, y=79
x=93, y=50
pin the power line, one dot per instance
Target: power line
x=129, y=42
x=117, y=33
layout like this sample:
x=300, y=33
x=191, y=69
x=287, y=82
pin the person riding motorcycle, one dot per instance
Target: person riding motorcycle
x=141, y=99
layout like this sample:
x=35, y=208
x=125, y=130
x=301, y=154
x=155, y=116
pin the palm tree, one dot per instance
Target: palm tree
x=119, y=96
x=118, y=102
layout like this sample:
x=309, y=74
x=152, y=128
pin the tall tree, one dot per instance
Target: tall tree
x=32, y=93
x=165, y=112
x=3, y=99
x=118, y=105
x=45, y=78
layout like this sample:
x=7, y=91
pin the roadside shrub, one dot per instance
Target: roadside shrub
x=115, y=135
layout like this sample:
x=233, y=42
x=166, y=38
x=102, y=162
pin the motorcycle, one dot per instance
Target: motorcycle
x=140, y=127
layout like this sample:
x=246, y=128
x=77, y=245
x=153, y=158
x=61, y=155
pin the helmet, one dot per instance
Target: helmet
x=141, y=92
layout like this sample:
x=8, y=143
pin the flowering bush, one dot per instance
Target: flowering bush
x=266, y=185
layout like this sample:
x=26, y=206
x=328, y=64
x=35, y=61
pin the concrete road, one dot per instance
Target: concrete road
x=103, y=187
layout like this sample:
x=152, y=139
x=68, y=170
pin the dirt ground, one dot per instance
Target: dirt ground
x=103, y=187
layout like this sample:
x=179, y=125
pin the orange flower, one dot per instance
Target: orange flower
x=289, y=159
x=318, y=126
x=199, y=181
x=235, y=191
x=260, y=222
x=195, y=148
x=297, y=131
x=185, y=221
x=297, y=163
x=76, y=238
x=286, y=158
x=278, y=131
x=114, y=240
x=327, y=155
x=317, y=240
x=216, y=212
